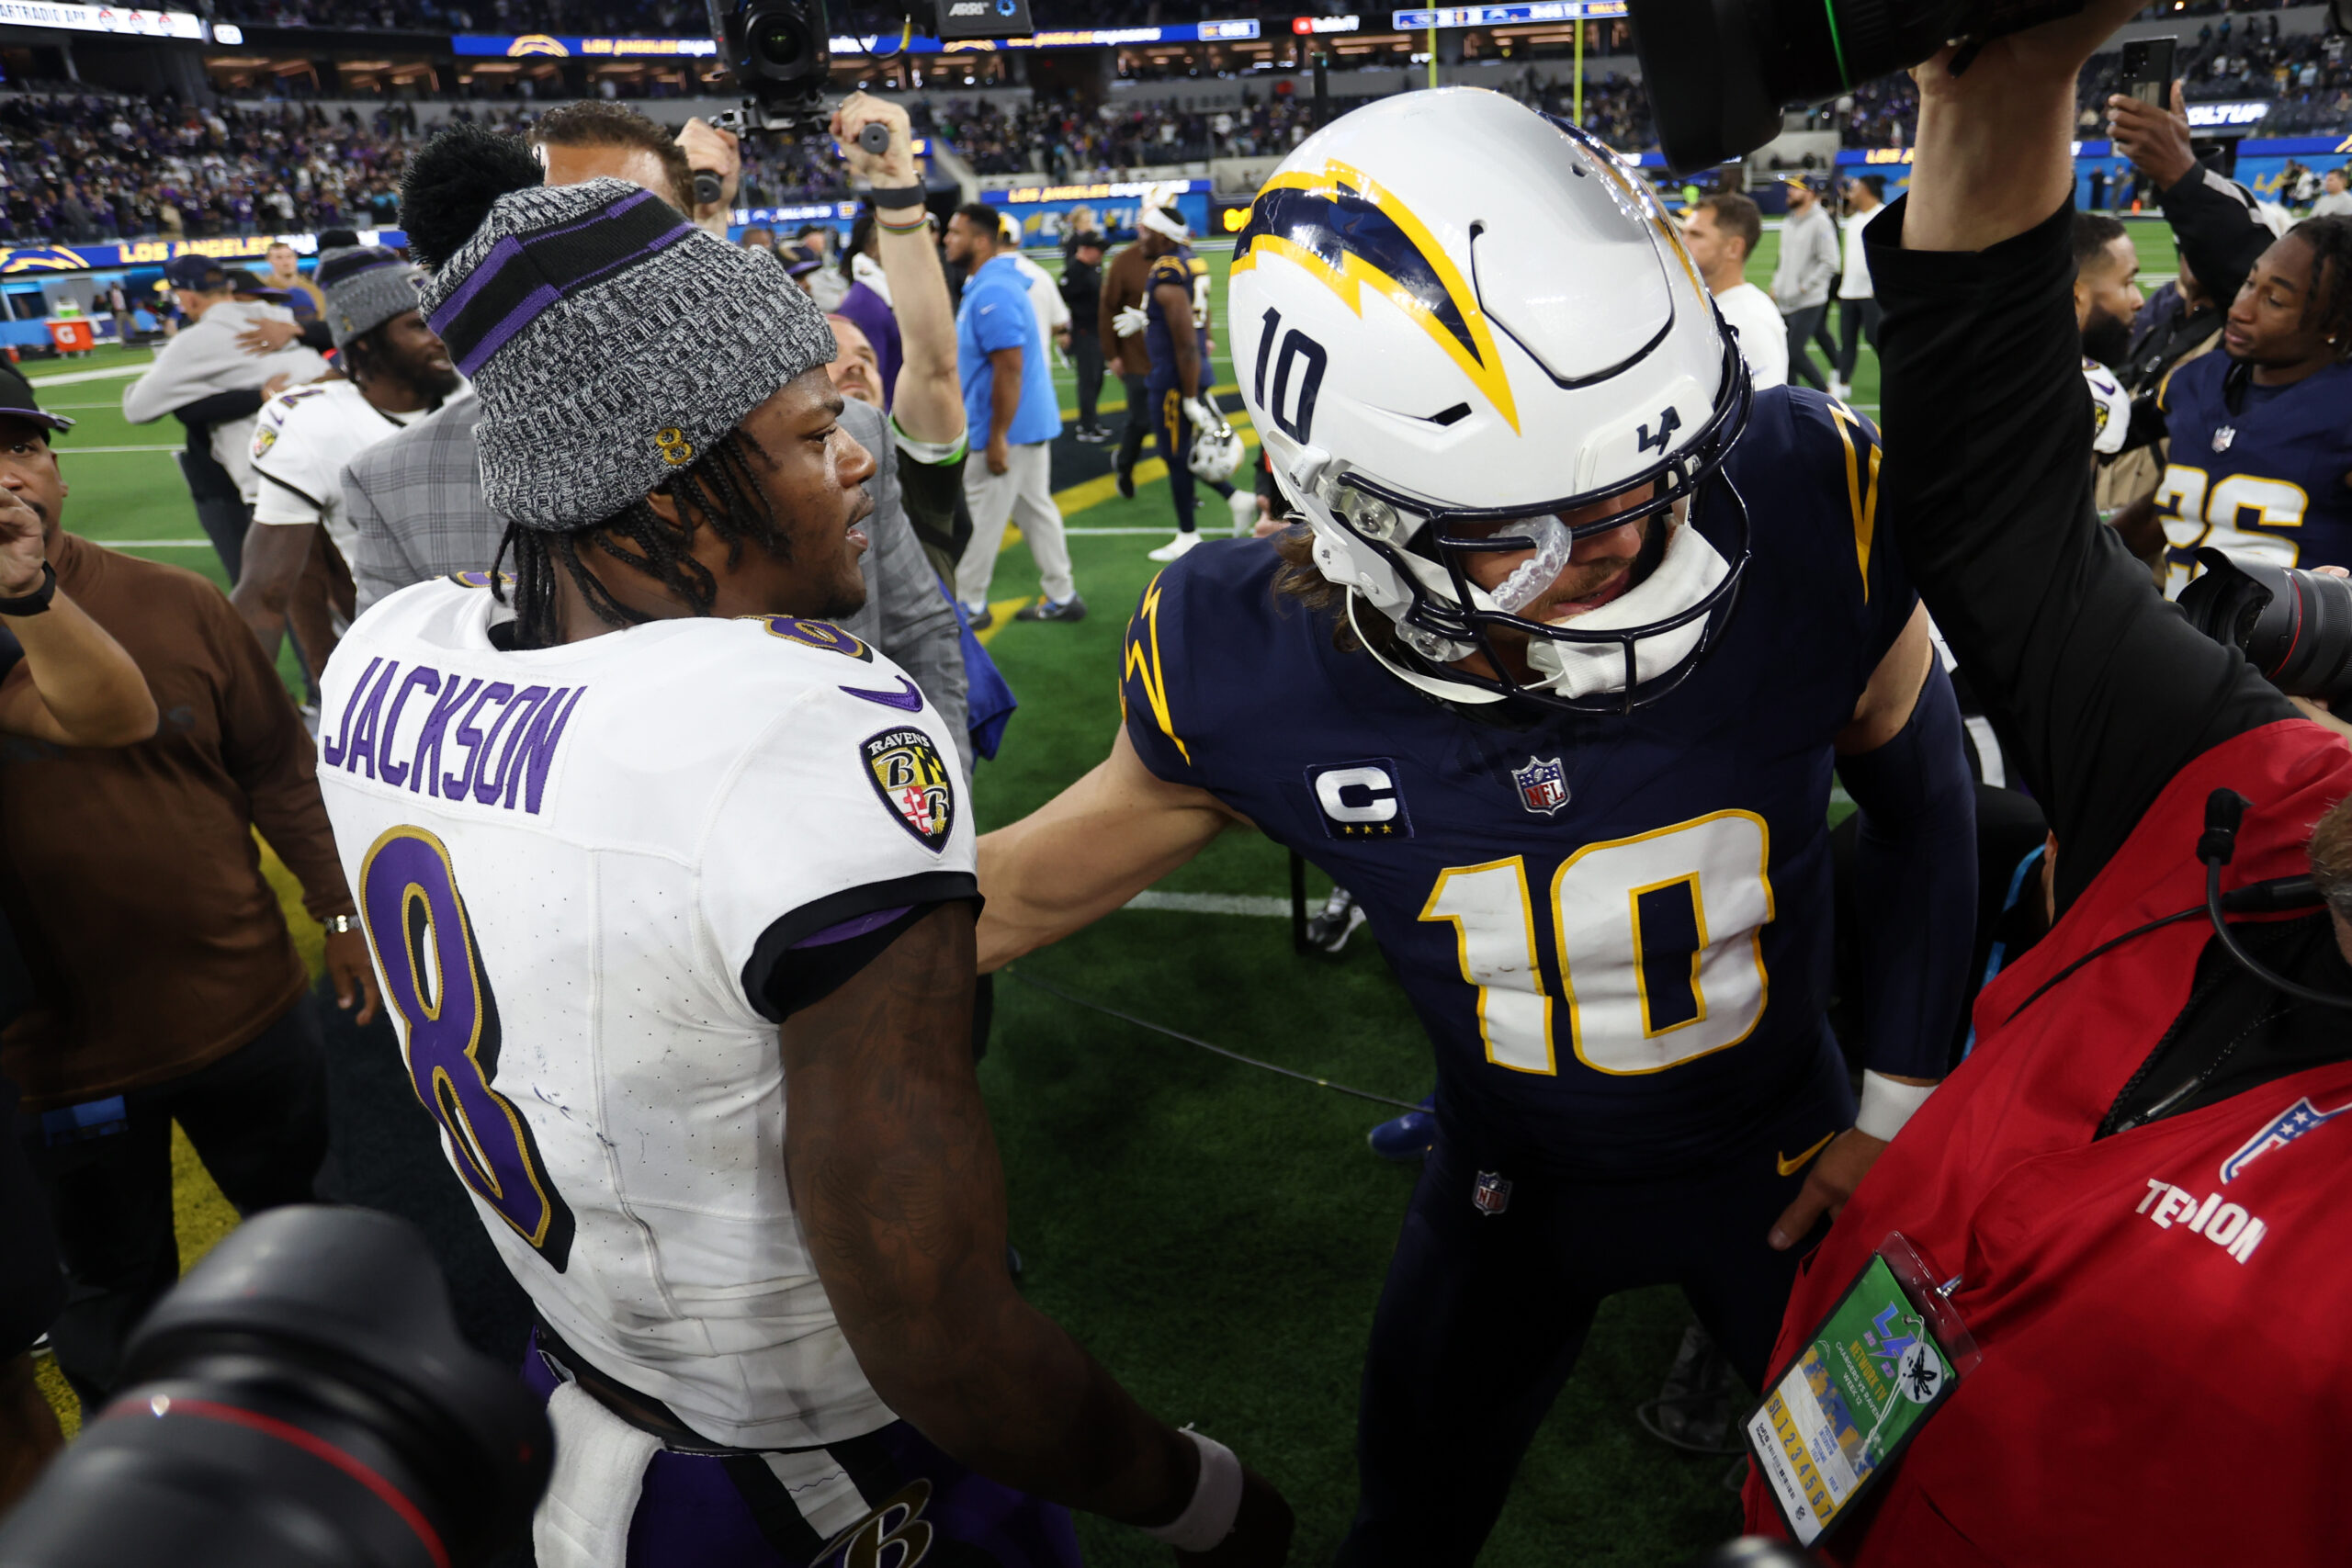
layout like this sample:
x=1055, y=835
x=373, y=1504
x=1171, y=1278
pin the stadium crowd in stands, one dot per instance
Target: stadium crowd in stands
x=87, y=168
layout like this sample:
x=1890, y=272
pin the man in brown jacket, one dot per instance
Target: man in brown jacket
x=1123, y=345
x=165, y=986
x=65, y=681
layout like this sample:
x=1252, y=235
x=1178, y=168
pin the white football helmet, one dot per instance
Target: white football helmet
x=1217, y=454
x=1450, y=313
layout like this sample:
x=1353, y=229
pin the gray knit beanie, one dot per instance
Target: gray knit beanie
x=610, y=342
x=366, y=287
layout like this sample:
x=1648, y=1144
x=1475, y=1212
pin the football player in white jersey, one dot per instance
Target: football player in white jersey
x=396, y=372
x=662, y=857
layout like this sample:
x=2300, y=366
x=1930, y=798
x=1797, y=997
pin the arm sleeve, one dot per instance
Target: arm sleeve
x=221, y=407
x=864, y=786
x=932, y=494
x=316, y=335
x=379, y=565
x=997, y=322
x=919, y=630
x=1914, y=884
x=2098, y=689
x=295, y=486
x=1155, y=697
x=2219, y=236
x=265, y=748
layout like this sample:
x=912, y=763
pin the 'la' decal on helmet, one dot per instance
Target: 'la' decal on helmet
x=1346, y=231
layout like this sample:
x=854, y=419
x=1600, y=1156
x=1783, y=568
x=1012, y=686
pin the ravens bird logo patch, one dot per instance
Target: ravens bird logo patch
x=912, y=780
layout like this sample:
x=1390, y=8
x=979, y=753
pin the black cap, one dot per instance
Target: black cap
x=202, y=273
x=16, y=400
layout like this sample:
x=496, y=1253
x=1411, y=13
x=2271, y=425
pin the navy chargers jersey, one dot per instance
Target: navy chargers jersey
x=1190, y=274
x=2265, y=483
x=1616, y=929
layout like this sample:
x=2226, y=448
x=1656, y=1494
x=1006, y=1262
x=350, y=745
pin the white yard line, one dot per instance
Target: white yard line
x=1213, y=904
x=112, y=373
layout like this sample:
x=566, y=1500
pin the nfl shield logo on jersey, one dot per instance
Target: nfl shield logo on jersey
x=1490, y=1194
x=2222, y=437
x=1543, y=785
x=911, y=776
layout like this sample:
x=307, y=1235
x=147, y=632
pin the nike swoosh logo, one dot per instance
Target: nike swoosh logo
x=1791, y=1166
x=910, y=700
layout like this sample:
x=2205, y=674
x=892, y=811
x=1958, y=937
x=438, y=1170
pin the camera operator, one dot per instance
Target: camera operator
x=2126, y=1189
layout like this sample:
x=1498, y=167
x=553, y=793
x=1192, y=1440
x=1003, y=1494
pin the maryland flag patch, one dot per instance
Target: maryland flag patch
x=913, y=778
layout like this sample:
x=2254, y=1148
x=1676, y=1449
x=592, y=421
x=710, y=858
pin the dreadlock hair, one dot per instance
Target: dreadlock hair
x=2328, y=305
x=719, y=489
x=363, y=356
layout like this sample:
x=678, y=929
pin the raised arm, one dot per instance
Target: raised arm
x=2098, y=688
x=928, y=402
x=1087, y=852
x=896, y=1181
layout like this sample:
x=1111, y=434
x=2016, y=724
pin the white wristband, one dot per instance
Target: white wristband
x=1217, y=1498
x=1886, y=1105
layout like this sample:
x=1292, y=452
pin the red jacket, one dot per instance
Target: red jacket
x=2168, y=1372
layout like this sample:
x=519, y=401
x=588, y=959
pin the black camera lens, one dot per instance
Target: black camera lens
x=301, y=1399
x=781, y=43
x=1719, y=72
x=2295, y=626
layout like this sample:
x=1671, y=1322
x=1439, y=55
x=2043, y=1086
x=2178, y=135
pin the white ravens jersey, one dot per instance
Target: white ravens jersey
x=302, y=439
x=579, y=867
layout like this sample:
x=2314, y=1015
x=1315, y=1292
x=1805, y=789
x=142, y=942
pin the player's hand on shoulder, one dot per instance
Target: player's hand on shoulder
x=1260, y=1533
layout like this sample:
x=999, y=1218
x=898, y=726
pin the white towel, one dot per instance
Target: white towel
x=599, y=1460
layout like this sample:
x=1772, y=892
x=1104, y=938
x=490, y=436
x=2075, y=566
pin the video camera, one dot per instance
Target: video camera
x=781, y=52
x=300, y=1400
x=1719, y=71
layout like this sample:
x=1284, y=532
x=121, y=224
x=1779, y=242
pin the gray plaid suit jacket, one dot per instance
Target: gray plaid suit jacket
x=416, y=500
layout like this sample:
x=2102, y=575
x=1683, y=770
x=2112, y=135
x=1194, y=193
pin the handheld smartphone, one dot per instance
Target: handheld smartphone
x=2148, y=70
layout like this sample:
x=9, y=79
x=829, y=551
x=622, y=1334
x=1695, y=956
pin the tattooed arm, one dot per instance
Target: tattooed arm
x=895, y=1177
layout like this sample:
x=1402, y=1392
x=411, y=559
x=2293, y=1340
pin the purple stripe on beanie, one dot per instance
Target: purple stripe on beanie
x=534, y=303
x=499, y=255
x=508, y=249
x=540, y=299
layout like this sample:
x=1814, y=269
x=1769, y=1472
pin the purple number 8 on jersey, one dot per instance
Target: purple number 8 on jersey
x=433, y=976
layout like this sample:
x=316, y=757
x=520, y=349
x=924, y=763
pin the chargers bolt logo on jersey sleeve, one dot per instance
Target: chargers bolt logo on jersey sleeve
x=911, y=778
x=1360, y=800
x=1543, y=785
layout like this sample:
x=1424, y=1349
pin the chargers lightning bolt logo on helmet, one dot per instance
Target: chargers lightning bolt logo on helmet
x=1347, y=232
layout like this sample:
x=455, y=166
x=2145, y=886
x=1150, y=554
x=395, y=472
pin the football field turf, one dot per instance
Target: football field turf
x=1215, y=1235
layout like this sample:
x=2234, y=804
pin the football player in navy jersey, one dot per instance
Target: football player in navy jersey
x=2260, y=465
x=1554, y=679
x=1176, y=339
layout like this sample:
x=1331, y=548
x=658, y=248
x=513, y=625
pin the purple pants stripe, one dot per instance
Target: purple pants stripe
x=691, y=1513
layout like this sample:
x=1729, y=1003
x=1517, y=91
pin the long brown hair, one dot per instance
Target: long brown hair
x=1300, y=579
